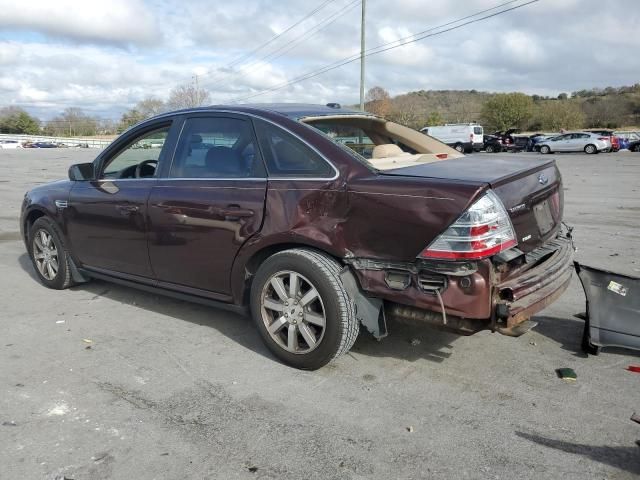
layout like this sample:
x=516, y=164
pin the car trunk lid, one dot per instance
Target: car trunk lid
x=529, y=188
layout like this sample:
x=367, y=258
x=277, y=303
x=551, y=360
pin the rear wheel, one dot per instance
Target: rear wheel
x=301, y=308
x=590, y=149
x=459, y=147
x=544, y=149
x=636, y=148
x=489, y=149
x=49, y=255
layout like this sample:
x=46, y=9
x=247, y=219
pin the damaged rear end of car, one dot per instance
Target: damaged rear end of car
x=503, y=256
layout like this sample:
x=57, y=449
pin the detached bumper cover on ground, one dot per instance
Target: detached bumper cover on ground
x=613, y=309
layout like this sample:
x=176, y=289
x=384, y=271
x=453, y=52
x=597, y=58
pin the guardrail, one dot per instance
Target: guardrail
x=70, y=141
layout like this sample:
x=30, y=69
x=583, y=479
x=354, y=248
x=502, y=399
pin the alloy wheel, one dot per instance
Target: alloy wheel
x=45, y=254
x=293, y=312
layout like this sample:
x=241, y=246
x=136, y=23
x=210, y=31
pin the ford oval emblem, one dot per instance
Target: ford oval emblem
x=542, y=179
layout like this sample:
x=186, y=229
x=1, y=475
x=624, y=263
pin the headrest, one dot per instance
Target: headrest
x=386, y=150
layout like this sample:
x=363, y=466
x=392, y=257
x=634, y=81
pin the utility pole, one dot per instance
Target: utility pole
x=362, y=30
x=197, y=91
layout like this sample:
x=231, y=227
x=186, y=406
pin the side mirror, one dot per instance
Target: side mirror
x=81, y=172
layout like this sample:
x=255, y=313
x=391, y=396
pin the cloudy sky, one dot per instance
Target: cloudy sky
x=104, y=56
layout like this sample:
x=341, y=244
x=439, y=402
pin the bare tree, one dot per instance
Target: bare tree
x=187, y=96
x=150, y=107
x=378, y=101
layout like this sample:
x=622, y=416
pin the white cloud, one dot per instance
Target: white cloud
x=115, y=21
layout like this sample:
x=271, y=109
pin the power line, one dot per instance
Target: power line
x=255, y=50
x=389, y=46
x=283, y=49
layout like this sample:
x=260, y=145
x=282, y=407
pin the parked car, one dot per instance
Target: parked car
x=40, y=145
x=575, y=142
x=533, y=145
x=626, y=138
x=463, y=137
x=613, y=140
x=492, y=144
x=634, y=146
x=312, y=237
x=9, y=144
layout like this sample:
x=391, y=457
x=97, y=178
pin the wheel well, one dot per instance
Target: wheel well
x=252, y=265
x=31, y=218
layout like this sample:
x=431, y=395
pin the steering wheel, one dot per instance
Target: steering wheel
x=138, y=173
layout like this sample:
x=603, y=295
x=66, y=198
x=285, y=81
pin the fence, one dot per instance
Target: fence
x=69, y=141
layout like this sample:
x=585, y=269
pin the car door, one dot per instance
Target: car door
x=106, y=218
x=207, y=204
x=560, y=143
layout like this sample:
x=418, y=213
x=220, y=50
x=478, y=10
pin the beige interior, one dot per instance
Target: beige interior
x=387, y=150
x=386, y=155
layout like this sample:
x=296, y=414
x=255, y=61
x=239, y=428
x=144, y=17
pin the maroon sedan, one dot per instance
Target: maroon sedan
x=318, y=218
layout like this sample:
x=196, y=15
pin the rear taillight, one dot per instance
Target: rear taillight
x=483, y=230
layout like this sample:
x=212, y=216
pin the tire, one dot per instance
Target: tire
x=636, y=148
x=590, y=149
x=46, y=242
x=292, y=322
x=489, y=149
x=458, y=147
x=545, y=149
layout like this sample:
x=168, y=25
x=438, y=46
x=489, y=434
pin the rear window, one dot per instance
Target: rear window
x=351, y=136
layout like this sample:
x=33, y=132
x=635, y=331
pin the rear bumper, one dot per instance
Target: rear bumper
x=487, y=296
x=538, y=283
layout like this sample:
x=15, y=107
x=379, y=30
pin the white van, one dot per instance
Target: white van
x=464, y=137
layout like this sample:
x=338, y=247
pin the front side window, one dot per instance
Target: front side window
x=140, y=158
x=287, y=156
x=216, y=147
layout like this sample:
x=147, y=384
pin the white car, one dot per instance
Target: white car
x=575, y=142
x=8, y=144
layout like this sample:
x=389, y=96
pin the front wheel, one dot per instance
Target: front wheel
x=49, y=255
x=301, y=308
x=489, y=149
x=544, y=149
x=590, y=149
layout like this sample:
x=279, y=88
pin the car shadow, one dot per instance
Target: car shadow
x=406, y=342
x=568, y=333
x=622, y=458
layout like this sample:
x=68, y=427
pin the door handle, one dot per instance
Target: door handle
x=234, y=213
x=128, y=208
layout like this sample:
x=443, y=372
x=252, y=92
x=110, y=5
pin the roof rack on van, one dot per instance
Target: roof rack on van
x=464, y=123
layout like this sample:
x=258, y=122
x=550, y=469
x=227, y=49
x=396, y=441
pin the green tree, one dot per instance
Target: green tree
x=16, y=120
x=434, y=118
x=554, y=115
x=507, y=110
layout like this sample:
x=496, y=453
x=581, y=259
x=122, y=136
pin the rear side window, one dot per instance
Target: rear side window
x=216, y=147
x=477, y=130
x=287, y=156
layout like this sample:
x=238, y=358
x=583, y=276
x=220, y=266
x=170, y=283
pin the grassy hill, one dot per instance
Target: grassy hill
x=608, y=107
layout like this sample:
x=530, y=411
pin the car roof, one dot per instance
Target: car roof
x=295, y=111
